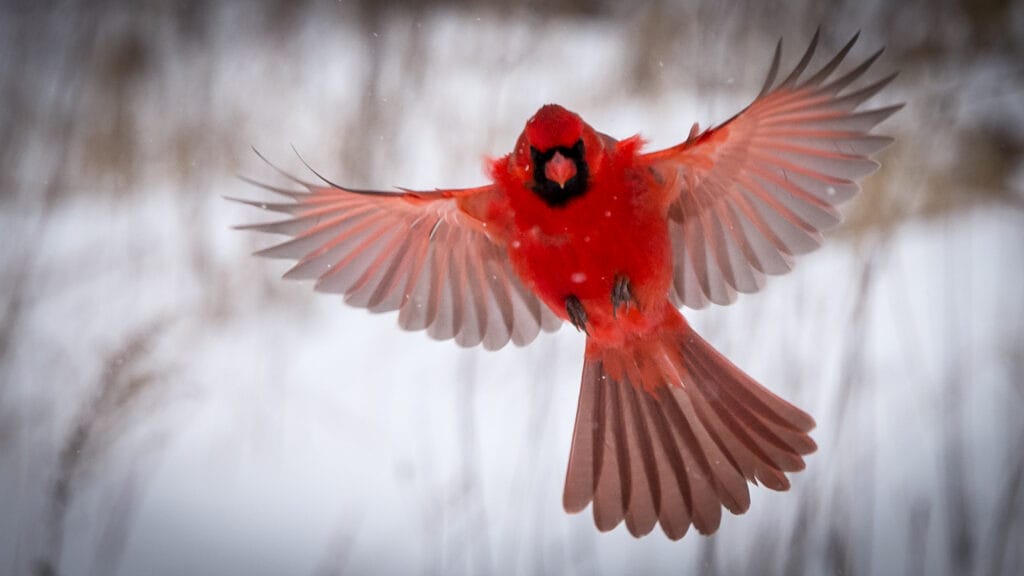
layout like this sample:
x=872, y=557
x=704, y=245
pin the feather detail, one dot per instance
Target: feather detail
x=760, y=188
x=418, y=253
x=669, y=431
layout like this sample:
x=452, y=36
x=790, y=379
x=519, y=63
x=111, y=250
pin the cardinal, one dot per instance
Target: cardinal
x=578, y=226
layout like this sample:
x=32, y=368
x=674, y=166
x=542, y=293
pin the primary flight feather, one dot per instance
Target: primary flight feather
x=579, y=226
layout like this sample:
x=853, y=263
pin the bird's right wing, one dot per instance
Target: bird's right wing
x=424, y=254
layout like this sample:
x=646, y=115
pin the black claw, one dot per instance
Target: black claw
x=577, y=315
x=621, y=294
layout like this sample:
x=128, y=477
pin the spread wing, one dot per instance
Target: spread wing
x=420, y=253
x=759, y=189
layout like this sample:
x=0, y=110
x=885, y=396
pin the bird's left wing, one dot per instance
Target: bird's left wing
x=428, y=255
x=748, y=195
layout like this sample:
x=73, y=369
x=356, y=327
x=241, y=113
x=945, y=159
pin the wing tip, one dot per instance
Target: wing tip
x=293, y=194
x=310, y=168
x=272, y=253
x=282, y=172
x=773, y=71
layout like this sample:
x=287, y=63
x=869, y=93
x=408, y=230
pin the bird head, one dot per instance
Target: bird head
x=557, y=155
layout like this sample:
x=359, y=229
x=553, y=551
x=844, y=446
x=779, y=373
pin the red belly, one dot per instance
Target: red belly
x=582, y=249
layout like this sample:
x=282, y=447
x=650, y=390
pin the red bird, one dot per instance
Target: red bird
x=581, y=227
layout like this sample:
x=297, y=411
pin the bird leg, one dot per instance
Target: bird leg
x=621, y=294
x=577, y=315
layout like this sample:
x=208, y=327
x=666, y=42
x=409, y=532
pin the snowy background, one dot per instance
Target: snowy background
x=168, y=405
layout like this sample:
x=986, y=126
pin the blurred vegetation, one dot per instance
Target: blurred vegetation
x=72, y=71
x=80, y=79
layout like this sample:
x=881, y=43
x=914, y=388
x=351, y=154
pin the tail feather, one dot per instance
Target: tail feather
x=668, y=431
x=645, y=491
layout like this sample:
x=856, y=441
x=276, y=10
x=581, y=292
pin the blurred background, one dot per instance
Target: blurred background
x=168, y=405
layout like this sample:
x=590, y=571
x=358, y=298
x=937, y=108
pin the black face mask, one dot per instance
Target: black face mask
x=549, y=191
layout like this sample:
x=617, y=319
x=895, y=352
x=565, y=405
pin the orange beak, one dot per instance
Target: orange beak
x=559, y=169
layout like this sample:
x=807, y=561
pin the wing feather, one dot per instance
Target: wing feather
x=419, y=253
x=759, y=189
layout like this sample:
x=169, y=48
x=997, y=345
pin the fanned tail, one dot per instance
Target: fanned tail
x=668, y=431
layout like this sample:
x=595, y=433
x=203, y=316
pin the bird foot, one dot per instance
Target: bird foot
x=577, y=315
x=621, y=294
